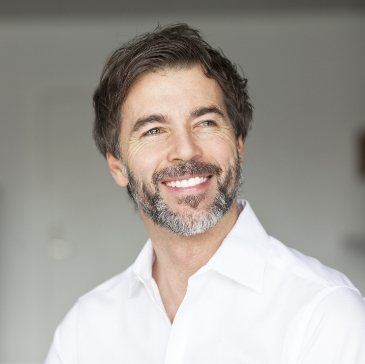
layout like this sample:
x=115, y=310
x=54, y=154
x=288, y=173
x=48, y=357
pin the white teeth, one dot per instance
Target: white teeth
x=187, y=182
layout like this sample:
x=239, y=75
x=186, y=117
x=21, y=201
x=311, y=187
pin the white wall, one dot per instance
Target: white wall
x=65, y=226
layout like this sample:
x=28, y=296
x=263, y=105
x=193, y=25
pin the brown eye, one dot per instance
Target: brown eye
x=153, y=131
x=208, y=123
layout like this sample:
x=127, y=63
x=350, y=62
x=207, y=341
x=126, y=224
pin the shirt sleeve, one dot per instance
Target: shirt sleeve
x=336, y=330
x=64, y=347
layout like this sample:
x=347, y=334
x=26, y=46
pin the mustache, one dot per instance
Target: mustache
x=193, y=168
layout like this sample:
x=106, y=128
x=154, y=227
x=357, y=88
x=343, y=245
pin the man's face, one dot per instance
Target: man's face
x=180, y=158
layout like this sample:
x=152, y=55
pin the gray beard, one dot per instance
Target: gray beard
x=153, y=205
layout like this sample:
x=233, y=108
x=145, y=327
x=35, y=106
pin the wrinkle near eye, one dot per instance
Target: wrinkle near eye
x=136, y=146
x=223, y=131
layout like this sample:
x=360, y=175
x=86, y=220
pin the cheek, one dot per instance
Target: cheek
x=221, y=145
x=134, y=152
x=142, y=157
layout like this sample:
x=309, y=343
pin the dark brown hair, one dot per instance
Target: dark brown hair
x=170, y=46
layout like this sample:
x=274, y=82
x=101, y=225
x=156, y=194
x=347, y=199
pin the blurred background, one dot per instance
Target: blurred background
x=65, y=226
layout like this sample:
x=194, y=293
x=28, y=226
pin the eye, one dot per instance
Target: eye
x=153, y=131
x=208, y=123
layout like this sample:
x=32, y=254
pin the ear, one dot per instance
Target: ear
x=240, y=147
x=117, y=170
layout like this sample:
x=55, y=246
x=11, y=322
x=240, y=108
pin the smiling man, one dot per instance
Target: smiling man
x=210, y=285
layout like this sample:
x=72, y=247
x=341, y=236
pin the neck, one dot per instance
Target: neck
x=179, y=257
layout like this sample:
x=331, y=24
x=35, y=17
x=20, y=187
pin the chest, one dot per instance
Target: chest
x=215, y=323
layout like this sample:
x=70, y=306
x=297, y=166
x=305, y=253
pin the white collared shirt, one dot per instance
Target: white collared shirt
x=255, y=301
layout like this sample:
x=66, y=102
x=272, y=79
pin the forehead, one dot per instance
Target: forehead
x=173, y=92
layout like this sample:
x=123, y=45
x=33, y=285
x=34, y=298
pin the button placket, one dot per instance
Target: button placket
x=176, y=347
x=158, y=299
x=155, y=297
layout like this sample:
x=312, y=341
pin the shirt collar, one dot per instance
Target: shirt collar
x=142, y=267
x=241, y=256
x=243, y=253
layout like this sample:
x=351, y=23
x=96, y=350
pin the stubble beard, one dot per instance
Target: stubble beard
x=187, y=224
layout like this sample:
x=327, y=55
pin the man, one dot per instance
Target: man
x=210, y=286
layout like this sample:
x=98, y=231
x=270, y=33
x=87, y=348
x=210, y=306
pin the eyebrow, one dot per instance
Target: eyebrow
x=159, y=118
x=142, y=121
x=200, y=111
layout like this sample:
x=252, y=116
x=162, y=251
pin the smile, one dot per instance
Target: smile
x=187, y=182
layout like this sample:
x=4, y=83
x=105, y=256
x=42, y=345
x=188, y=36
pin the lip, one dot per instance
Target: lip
x=170, y=179
x=200, y=188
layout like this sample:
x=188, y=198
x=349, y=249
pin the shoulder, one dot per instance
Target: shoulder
x=107, y=296
x=100, y=302
x=341, y=306
x=309, y=287
x=304, y=269
x=330, y=330
x=96, y=308
x=111, y=288
x=328, y=311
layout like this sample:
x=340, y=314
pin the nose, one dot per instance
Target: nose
x=184, y=147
